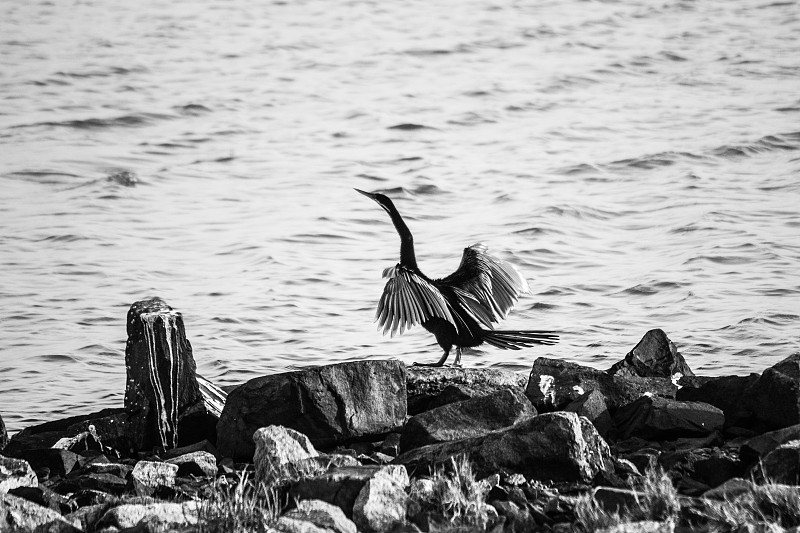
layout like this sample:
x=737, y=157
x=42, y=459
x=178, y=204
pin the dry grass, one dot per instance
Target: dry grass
x=456, y=496
x=771, y=507
x=657, y=500
x=239, y=506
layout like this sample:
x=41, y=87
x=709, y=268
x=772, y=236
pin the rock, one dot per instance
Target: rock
x=15, y=473
x=553, y=446
x=59, y=462
x=624, y=502
x=782, y=465
x=340, y=486
x=105, y=430
x=554, y=384
x=108, y=483
x=654, y=356
x=518, y=518
x=774, y=399
x=381, y=504
x=163, y=514
x=758, y=447
x=467, y=418
x=283, y=454
x=725, y=392
x=201, y=464
x=162, y=387
x=430, y=387
x=3, y=434
x=391, y=444
x=120, y=470
x=321, y=514
x=45, y=497
x=147, y=476
x=592, y=405
x=730, y=490
x=660, y=418
x=19, y=514
x=330, y=404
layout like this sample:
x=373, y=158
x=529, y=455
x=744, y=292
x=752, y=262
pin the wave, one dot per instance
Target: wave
x=769, y=143
x=135, y=120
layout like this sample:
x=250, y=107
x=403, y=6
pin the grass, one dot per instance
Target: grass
x=773, y=507
x=453, y=493
x=657, y=499
x=238, y=506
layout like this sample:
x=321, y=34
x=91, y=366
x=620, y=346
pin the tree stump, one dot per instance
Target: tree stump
x=162, y=384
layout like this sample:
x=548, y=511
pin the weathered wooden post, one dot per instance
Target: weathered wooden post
x=161, y=386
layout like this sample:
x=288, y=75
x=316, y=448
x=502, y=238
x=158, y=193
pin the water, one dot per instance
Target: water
x=638, y=161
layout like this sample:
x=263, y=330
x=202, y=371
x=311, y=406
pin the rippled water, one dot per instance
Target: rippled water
x=638, y=161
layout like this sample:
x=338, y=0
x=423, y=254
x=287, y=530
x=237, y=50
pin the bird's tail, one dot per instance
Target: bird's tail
x=515, y=340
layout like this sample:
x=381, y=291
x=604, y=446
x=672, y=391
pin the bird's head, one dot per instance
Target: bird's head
x=381, y=199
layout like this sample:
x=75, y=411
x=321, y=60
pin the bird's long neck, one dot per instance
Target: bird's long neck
x=407, y=256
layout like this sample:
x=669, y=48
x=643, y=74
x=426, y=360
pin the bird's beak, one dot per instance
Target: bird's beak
x=367, y=194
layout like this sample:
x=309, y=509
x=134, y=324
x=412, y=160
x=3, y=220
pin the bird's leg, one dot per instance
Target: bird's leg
x=440, y=362
x=457, y=362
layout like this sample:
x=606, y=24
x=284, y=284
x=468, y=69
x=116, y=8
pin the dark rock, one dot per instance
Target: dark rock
x=120, y=470
x=758, y=447
x=661, y=418
x=201, y=464
x=430, y=387
x=643, y=460
x=781, y=465
x=162, y=386
x=554, y=384
x=87, y=497
x=518, y=518
x=360, y=400
x=108, y=483
x=725, y=392
x=391, y=444
x=592, y=405
x=105, y=430
x=554, y=446
x=339, y=487
x=15, y=473
x=60, y=462
x=625, y=502
x=654, y=356
x=46, y=498
x=19, y=514
x=729, y=490
x=774, y=399
x=201, y=446
x=717, y=468
x=467, y=418
x=3, y=434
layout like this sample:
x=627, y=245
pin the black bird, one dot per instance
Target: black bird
x=456, y=308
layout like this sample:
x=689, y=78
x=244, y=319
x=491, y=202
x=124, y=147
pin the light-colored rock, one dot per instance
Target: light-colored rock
x=149, y=475
x=322, y=515
x=19, y=514
x=645, y=526
x=198, y=463
x=15, y=473
x=381, y=504
x=160, y=513
x=282, y=454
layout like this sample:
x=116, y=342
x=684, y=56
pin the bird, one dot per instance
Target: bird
x=459, y=309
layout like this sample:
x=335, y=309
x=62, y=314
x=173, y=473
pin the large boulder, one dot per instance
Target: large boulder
x=467, y=418
x=654, y=356
x=430, y=387
x=774, y=399
x=656, y=418
x=758, y=447
x=15, y=473
x=148, y=476
x=553, y=384
x=556, y=446
x=341, y=403
x=162, y=395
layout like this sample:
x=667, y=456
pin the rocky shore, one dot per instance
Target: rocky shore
x=373, y=446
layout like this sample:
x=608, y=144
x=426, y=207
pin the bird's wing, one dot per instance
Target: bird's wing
x=409, y=299
x=494, y=284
